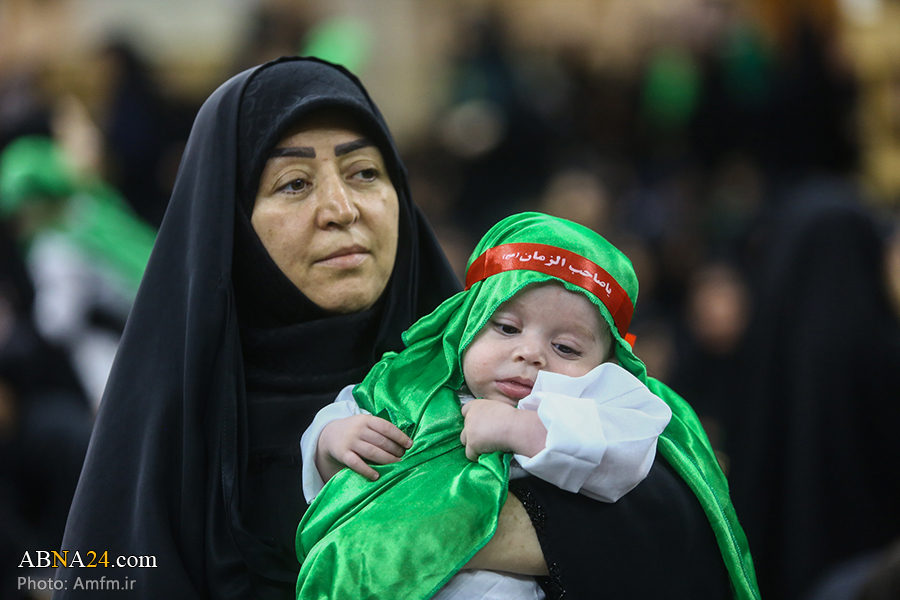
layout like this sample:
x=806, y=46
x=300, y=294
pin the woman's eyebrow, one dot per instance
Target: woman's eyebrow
x=349, y=147
x=298, y=151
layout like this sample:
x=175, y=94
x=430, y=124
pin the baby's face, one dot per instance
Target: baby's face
x=543, y=327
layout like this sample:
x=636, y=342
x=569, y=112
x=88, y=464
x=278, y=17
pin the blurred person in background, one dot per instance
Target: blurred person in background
x=578, y=194
x=143, y=130
x=873, y=574
x=500, y=142
x=45, y=425
x=709, y=347
x=86, y=252
x=815, y=412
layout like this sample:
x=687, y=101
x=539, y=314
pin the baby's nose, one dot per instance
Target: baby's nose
x=532, y=353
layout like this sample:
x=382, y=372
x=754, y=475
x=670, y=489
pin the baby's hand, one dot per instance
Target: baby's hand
x=352, y=441
x=487, y=427
x=493, y=426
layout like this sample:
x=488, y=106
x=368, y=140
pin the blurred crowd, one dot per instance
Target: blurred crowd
x=726, y=167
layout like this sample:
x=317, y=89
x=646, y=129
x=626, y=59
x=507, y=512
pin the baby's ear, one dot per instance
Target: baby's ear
x=612, y=356
x=608, y=340
x=611, y=353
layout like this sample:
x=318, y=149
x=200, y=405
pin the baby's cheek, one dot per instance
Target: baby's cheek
x=476, y=390
x=474, y=382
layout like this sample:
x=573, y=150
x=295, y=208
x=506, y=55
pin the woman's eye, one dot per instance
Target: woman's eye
x=296, y=185
x=567, y=350
x=370, y=174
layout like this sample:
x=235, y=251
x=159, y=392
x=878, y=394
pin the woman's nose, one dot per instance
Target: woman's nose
x=337, y=207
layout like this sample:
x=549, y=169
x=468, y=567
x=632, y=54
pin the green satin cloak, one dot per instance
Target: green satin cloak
x=34, y=173
x=406, y=534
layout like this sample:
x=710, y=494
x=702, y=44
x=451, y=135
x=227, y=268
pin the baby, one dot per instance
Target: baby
x=537, y=382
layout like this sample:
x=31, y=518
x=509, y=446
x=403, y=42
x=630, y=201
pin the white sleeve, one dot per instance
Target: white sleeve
x=602, y=430
x=343, y=406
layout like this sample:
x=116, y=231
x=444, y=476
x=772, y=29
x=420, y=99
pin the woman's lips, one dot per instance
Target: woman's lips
x=514, y=388
x=345, y=258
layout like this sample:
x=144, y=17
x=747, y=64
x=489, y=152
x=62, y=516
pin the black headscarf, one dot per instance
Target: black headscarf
x=194, y=458
x=813, y=446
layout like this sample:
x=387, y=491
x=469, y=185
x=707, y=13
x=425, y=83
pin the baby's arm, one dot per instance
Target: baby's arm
x=601, y=431
x=342, y=434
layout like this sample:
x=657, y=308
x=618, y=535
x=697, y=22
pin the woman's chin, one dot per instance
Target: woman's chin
x=350, y=296
x=341, y=287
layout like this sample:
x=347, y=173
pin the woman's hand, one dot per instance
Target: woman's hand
x=494, y=426
x=352, y=441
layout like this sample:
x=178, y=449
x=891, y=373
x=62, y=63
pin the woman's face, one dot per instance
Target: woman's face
x=327, y=213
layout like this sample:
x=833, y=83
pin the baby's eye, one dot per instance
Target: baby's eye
x=506, y=328
x=566, y=350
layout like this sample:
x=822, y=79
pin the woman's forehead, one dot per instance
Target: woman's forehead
x=336, y=119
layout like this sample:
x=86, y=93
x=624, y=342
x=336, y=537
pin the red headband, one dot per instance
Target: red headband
x=562, y=264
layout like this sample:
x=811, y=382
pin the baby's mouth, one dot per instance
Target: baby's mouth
x=516, y=387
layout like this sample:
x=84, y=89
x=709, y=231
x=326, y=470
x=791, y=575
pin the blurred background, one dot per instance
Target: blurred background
x=745, y=154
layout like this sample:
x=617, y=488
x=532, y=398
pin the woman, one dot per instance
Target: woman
x=195, y=455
